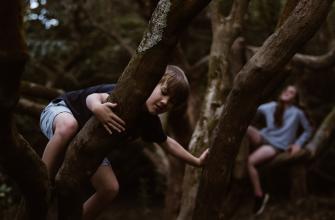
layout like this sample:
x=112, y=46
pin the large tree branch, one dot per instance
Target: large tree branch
x=250, y=86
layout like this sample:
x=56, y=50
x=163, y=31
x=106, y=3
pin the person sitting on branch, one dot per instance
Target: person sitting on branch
x=283, y=119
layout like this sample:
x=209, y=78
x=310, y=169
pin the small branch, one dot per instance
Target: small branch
x=200, y=62
x=29, y=107
x=111, y=34
x=39, y=91
x=316, y=62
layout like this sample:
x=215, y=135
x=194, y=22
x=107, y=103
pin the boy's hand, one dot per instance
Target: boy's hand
x=203, y=157
x=108, y=118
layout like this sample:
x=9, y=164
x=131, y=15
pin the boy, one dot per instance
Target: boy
x=66, y=115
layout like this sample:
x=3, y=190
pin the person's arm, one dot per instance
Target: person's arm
x=103, y=111
x=174, y=148
x=304, y=136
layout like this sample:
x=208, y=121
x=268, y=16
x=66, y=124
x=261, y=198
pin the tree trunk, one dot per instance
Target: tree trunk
x=225, y=30
x=140, y=77
x=180, y=130
x=257, y=76
x=16, y=156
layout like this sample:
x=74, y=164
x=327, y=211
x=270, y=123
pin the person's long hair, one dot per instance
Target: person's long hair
x=280, y=108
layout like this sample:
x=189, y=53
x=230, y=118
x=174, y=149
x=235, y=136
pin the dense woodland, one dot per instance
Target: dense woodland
x=236, y=54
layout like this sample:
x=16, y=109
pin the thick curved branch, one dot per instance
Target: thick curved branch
x=310, y=61
x=327, y=128
x=316, y=62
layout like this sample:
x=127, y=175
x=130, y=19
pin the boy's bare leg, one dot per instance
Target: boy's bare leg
x=106, y=186
x=265, y=152
x=65, y=127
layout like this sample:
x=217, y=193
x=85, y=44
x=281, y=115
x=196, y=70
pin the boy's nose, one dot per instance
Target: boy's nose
x=165, y=100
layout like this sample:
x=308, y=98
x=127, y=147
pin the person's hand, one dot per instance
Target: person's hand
x=294, y=148
x=108, y=118
x=203, y=157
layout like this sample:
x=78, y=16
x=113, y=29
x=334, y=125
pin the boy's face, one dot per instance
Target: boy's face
x=159, y=100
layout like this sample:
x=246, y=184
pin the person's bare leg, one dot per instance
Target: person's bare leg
x=65, y=127
x=107, y=187
x=254, y=136
x=262, y=154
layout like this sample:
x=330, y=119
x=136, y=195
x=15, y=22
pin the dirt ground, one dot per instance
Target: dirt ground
x=309, y=208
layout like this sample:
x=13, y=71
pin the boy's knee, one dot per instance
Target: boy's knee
x=110, y=192
x=66, y=128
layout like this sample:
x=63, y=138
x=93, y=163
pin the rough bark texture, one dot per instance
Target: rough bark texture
x=324, y=132
x=16, y=156
x=288, y=8
x=257, y=76
x=136, y=83
x=226, y=27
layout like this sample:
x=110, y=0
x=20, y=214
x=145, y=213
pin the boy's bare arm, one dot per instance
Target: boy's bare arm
x=103, y=111
x=174, y=148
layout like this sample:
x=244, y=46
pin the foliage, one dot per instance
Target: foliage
x=5, y=195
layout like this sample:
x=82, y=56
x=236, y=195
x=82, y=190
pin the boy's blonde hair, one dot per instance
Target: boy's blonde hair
x=176, y=83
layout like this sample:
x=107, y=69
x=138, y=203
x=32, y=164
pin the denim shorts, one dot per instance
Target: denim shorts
x=48, y=116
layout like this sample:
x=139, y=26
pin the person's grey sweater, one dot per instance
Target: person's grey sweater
x=282, y=137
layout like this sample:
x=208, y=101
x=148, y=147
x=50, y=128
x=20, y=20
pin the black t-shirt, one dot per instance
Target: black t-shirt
x=149, y=127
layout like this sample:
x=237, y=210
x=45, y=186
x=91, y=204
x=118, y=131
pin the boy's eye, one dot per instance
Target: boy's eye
x=164, y=91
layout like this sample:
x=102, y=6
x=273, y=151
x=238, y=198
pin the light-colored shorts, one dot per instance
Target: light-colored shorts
x=48, y=116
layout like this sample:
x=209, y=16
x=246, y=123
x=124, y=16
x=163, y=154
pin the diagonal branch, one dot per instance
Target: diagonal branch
x=110, y=33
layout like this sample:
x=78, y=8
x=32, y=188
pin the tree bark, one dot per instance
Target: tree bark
x=180, y=129
x=29, y=107
x=39, y=91
x=226, y=27
x=287, y=10
x=136, y=83
x=324, y=132
x=261, y=72
x=16, y=156
x=316, y=62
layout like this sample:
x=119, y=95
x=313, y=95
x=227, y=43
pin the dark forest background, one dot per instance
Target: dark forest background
x=73, y=44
